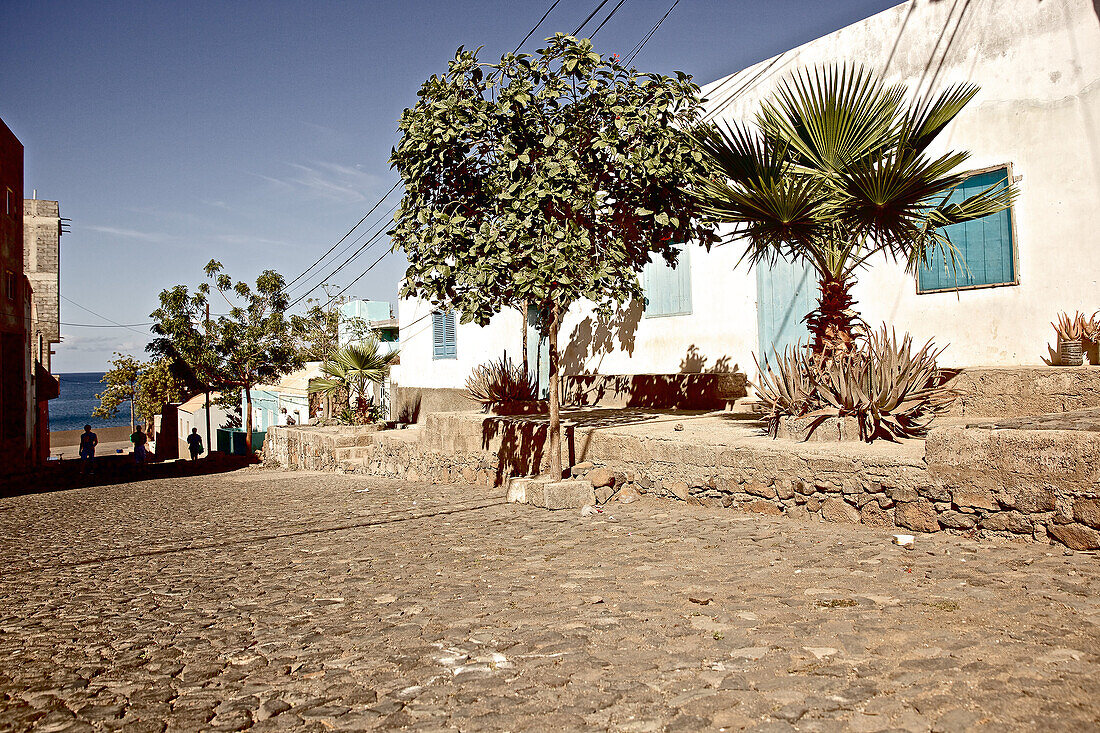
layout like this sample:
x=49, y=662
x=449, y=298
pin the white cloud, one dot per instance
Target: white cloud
x=129, y=233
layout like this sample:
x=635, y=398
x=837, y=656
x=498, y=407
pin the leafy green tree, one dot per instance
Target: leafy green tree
x=316, y=333
x=156, y=387
x=249, y=345
x=836, y=171
x=544, y=180
x=122, y=387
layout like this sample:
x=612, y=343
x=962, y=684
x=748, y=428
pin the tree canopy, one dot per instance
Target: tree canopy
x=544, y=179
x=250, y=344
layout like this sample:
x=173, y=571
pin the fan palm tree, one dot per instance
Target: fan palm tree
x=352, y=367
x=836, y=170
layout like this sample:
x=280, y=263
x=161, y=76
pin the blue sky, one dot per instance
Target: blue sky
x=258, y=133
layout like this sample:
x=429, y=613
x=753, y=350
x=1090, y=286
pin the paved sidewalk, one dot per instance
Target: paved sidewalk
x=279, y=601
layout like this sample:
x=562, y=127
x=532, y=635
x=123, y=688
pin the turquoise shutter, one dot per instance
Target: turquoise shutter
x=450, y=338
x=668, y=289
x=444, y=338
x=437, y=335
x=985, y=244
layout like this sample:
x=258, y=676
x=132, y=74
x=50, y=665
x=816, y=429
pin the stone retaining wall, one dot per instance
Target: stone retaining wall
x=1004, y=392
x=1007, y=483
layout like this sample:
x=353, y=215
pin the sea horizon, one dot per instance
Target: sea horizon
x=72, y=410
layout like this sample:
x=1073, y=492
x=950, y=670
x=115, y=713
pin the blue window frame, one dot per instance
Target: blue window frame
x=987, y=245
x=668, y=289
x=444, y=341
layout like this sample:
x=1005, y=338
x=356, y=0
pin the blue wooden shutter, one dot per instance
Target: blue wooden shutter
x=668, y=289
x=444, y=338
x=985, y=244
x=450, y=337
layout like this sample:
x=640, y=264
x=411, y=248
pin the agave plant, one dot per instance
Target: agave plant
x=890, y=390
x=1090, y=328
x=501, y=381
x=1071, y=328
x=838, y=169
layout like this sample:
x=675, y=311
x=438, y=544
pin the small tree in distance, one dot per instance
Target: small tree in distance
x=122, y=386
x=544, y=180
x=250, y=345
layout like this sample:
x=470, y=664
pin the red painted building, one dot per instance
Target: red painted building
x=18, y=408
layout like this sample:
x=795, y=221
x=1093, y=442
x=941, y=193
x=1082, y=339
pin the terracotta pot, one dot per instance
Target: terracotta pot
x=1070, y=353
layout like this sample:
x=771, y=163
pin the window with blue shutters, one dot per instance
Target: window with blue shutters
x=443, y=335
x=986, y=245
x=668, y=289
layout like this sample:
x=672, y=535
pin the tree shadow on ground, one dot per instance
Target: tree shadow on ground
x=114, y=469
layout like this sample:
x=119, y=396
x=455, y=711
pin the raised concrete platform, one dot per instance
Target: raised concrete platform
x=1006, y=392
x=1035, y=478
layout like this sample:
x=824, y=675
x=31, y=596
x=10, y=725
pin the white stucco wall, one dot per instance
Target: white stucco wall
x=1038, y=65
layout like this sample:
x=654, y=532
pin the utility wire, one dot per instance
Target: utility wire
x=384, y=221
x=366, y=244
x=590, y=17
x=104, y=325
x=637, y=49
x=327, y=251
x=601, y=25
x=532, y=31
x=99, y=315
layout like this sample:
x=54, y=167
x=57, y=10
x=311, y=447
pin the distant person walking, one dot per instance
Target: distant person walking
x=138, y=438
x=194, y=444
x=88, y=442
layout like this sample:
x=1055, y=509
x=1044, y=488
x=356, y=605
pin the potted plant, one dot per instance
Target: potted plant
x=1070, y=330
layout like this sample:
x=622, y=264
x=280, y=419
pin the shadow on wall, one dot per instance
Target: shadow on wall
x=695, y=362
x=694, y=388
x=597, y=336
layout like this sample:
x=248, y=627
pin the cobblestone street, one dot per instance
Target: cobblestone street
x=278, y=601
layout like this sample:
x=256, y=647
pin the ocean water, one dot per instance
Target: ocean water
x=73, y=409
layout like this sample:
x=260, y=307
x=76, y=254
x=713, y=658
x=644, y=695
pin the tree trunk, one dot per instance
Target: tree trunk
x=133, y=426
x=833, y=324
x=554, y=429
x=523, y=310
x=248, y=421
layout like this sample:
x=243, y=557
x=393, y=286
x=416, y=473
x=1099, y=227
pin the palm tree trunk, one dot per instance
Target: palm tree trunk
x=833, y=324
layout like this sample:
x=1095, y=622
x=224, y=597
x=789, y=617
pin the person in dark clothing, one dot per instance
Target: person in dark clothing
x=88, y=442
x=194, y=444
x=138, y=438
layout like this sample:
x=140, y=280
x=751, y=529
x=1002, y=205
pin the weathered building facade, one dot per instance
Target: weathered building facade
x=1036, y=120
x=17, y=413
x=41, y=262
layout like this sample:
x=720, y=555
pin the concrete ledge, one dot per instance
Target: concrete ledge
x=1006, y=392
x=655, y=391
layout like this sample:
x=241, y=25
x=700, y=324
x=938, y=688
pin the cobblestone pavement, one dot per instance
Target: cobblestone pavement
x=276, y=601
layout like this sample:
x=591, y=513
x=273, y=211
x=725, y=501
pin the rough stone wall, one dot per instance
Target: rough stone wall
x=1011, y=483
x=42, y=260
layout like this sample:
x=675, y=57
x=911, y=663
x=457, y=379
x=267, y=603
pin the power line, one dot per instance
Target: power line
x=529, y=34
x=318, y=261
x=366, y=245
x=384, y=221
x=99, y=315
x=637, y=49
x=532, y=31
x=590, y=17
x=104, y=325
x=601, y=25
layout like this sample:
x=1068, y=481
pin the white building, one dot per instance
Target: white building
x=192, y=414
x=1037, y=117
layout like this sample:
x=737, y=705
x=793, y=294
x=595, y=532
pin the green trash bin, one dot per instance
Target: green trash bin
x=231, y=441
